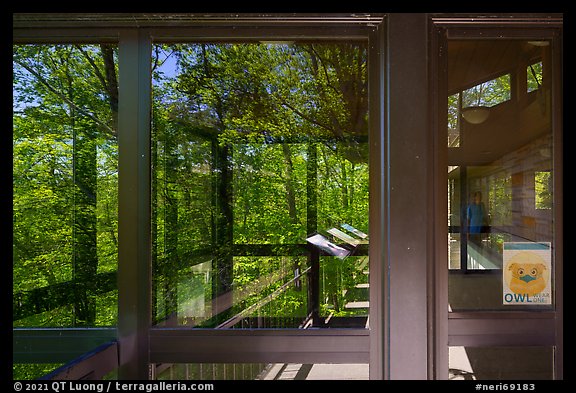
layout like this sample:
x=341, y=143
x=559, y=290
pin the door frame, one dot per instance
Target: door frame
x=490, y=328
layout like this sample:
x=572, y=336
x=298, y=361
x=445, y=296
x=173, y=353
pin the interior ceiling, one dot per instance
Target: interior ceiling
x=471, y=62
x=511, y=124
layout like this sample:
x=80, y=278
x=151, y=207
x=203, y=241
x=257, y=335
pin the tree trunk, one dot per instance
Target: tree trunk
x=289, y=183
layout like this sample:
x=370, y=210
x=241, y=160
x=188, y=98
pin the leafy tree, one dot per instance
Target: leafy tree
x=64, y=141
x=256, y=110
x=237, y=131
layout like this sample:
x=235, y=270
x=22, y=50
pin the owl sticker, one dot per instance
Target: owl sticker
x=527, y=278
x=526, y=274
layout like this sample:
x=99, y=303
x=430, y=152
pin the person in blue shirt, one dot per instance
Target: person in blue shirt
x=476, y=216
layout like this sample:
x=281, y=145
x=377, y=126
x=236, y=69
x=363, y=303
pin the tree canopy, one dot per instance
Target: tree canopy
x=253, y=145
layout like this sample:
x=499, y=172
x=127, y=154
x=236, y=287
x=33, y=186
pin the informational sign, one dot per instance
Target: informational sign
x=327, y=246
x=355, y=231
x=343, y=236
x=526, y=273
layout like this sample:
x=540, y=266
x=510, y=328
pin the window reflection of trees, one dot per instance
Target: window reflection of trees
x=266, y=117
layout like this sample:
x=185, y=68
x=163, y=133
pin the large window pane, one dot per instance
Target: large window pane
x=65, y=166
x=523, y=364
x=500, y=175
x=261, y=371
x=256, y=147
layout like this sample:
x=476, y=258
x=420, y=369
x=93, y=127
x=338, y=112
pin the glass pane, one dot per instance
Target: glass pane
x=31, y=371
x=500, y=194
x=258, y=149
x=65, y=167
x=489, y=93
x=534, y=76
x=262, y=371
x=501, y=363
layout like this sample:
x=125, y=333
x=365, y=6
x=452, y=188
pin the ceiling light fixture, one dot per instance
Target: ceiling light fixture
x=475, y=114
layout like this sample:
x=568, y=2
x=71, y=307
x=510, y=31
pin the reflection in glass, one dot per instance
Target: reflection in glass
x=500, y=171
x=261, y=371
x=501, y=363
x=489, y=93
x=65, y=167
x=65, y=181
x=534, y=76
x=257, y=147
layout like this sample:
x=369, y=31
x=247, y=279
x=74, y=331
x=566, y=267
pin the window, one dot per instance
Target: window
x=219, y=186
x=489, y=93
x=499, y=185
x=543, y=189
x=65, y=167
x=256, y=147
x=534, y=76
x=485, y=94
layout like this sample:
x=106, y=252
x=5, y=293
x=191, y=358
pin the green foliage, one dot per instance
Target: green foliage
x=488, y=93
x=543, y=189
x=534, y=76
x=64, y=182
x=232, y=126
x=32, y=371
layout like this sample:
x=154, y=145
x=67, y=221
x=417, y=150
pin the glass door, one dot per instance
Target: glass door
x=502, y=177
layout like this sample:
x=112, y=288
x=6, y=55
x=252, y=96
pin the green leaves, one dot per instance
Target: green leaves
x=64, y=182
x=232, y=125
x=231, y=129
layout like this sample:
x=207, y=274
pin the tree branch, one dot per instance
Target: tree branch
x=64, y=98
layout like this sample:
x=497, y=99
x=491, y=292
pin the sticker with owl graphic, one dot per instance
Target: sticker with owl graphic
x=526, y=272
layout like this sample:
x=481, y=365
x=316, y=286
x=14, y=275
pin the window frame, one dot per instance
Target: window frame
x=484, y=328
x=141, y=345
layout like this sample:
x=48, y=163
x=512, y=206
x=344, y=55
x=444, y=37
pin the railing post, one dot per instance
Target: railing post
x=312, y=227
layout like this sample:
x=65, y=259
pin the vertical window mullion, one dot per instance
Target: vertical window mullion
x=134, y=204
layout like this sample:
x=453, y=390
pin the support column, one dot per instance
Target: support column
x=409, y=183
x=134, y=257
x=378, y=223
